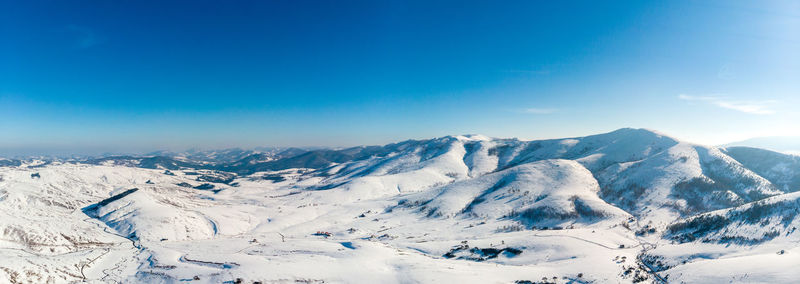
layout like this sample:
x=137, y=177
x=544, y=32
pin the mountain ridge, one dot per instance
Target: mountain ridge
x=636, y=204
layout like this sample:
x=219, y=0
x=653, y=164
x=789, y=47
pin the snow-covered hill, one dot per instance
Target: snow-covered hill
x=549, y=193
x=780, y=169
x=631, y=205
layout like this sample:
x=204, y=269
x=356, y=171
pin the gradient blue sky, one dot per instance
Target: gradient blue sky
x=145, y=75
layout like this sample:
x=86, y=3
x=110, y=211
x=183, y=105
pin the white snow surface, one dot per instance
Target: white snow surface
x=623, y=207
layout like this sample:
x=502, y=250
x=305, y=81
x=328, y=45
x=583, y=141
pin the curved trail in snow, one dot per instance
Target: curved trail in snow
x=105, y=228
x=585, y=240
x=645, y=247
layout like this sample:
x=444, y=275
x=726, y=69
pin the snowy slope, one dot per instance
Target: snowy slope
x=780, y=169
x=631, y=205
x=542, y=194
x=755, y=222
x=138, y=215
x=642, y=172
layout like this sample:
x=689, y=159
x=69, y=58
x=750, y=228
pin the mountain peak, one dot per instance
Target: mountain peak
x=473, y=137
x=639, y=131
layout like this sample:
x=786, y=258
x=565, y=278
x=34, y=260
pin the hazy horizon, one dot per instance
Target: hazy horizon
x=787, y=144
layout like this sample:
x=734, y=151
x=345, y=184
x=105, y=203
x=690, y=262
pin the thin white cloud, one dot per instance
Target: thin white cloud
x=750, y=107
x=539, y=110
x=746, y=107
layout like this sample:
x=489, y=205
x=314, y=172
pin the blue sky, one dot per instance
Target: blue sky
x=145, y=75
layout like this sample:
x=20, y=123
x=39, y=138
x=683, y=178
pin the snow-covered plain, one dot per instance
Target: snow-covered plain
x=627, y=206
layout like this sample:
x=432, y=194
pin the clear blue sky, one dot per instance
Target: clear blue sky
x=143, y=75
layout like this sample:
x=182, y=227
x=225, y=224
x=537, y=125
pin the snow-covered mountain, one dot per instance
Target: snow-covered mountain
x=631, y=205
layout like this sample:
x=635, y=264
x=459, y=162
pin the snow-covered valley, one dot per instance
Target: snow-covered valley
x=628, y=206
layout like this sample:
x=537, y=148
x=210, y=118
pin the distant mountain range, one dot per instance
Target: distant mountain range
x=784, y=144
x=640, y=171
